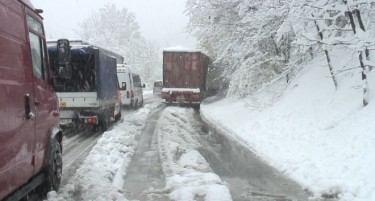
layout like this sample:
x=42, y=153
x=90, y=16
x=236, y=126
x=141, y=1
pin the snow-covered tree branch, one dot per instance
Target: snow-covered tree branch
x=253, y=42
x=118, y=30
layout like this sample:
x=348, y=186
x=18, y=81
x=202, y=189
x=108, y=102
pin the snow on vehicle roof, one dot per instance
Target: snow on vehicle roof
x=180, y=49
x=169, y=90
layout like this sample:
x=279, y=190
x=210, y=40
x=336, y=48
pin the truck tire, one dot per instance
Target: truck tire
x=104, y=122
x=54, y=169
x=118, y=117
x=197, y=106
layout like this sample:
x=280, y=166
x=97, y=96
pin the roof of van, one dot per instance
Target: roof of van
x=28, y=3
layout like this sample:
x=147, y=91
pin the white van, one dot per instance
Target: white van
x=130, y=87
x=158, y=86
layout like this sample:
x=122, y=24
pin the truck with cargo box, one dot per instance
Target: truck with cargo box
x=184, y=76
x=88, y=96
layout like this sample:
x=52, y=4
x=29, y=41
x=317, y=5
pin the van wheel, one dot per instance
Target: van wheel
x=54, y=169
x=135, y=106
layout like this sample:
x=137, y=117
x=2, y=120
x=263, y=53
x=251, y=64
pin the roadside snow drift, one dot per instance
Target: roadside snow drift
x=100, y=177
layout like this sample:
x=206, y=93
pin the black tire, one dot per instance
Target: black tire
x=135, y=106
x=118, y=117
x=104, y=122
x=197, y=106
x=54, y=169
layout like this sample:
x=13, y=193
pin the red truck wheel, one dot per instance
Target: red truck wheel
x=54, y=169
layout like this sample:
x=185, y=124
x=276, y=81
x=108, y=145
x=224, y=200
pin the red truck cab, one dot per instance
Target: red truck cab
x=30, y=137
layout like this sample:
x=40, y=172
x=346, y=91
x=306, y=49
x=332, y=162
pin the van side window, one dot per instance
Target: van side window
x=37, y=48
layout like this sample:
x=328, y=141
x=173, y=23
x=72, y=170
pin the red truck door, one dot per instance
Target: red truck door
x=17, y=125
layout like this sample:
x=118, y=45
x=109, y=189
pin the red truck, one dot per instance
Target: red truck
x=30, y=137
x=184, y=76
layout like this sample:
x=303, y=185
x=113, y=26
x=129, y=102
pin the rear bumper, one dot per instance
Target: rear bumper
x=126, y=101
x=74, y=115
x=181, y=97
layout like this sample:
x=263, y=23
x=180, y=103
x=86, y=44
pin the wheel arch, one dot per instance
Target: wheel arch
x=56, y=133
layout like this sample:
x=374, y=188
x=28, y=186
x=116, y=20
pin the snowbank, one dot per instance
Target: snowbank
x=188, y=175
x=100, y=177
x=318, y=136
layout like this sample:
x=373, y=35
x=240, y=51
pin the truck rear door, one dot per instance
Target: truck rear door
x=17, y=131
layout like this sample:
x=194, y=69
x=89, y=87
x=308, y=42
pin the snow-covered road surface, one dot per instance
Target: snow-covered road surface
x=75, y=149
x=144, y=172
x=169, y=153
x=200, y=162
x=249, y=177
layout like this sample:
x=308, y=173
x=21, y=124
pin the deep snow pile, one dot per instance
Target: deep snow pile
x=321, y=137
x=100, y=177
x=188, y=175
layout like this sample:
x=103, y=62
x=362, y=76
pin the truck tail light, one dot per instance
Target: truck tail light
x=91, y=120
x=132, y=93
x=195, y=96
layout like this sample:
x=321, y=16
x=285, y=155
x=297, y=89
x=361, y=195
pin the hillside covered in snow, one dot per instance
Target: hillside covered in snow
x=294, y=81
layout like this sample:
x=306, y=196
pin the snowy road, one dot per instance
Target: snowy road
x=144, y=171
x=76, y=148
x=246, y=176
x=167, y=153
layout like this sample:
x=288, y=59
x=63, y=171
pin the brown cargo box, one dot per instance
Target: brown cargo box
x=184, y=76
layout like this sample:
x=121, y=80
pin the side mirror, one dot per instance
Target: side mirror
x=63, y=56
x=63, y=51
x=144, y=86
x=123, y=85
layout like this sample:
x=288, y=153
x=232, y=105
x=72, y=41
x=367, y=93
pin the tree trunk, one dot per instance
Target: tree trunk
x=327, y=56
x=364, y=70
x=364, y=79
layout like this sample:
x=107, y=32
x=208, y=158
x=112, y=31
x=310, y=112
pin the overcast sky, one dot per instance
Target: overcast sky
x=160, y=20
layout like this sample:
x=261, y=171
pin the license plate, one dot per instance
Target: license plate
x=65, y=121
x=62, y=104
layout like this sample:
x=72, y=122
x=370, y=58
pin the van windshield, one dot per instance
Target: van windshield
x=158, y=84
x=137, y=81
